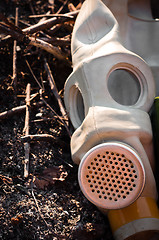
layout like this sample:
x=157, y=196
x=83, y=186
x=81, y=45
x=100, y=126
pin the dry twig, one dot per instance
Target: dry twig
x=26, y=131
x=17, y=110
x=50, y=22
x=15, y=56
x=55, y=91
x=39, y=137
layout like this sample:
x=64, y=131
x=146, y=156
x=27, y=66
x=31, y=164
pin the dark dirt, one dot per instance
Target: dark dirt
x=28, y=212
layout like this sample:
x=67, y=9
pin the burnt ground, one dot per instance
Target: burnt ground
x=48, y=209
x=48, y=204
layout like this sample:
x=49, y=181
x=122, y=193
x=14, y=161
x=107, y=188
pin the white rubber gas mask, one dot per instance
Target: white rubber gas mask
x=108, y=96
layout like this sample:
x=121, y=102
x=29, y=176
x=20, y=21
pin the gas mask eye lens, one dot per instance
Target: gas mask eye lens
x=124, y=87
x=77, y=109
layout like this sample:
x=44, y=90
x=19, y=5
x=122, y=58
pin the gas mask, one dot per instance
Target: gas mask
x=108, y=97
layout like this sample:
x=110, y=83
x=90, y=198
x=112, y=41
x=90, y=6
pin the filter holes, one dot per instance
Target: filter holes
x=111, y=176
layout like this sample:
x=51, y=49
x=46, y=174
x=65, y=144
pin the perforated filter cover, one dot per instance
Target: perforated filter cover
x=111, y=175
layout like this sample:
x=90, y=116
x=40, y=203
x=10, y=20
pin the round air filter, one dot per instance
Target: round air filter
x=111, y=175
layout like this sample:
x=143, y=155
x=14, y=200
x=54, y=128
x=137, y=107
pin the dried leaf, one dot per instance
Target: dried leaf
x=17, y=219
x=49, y=176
